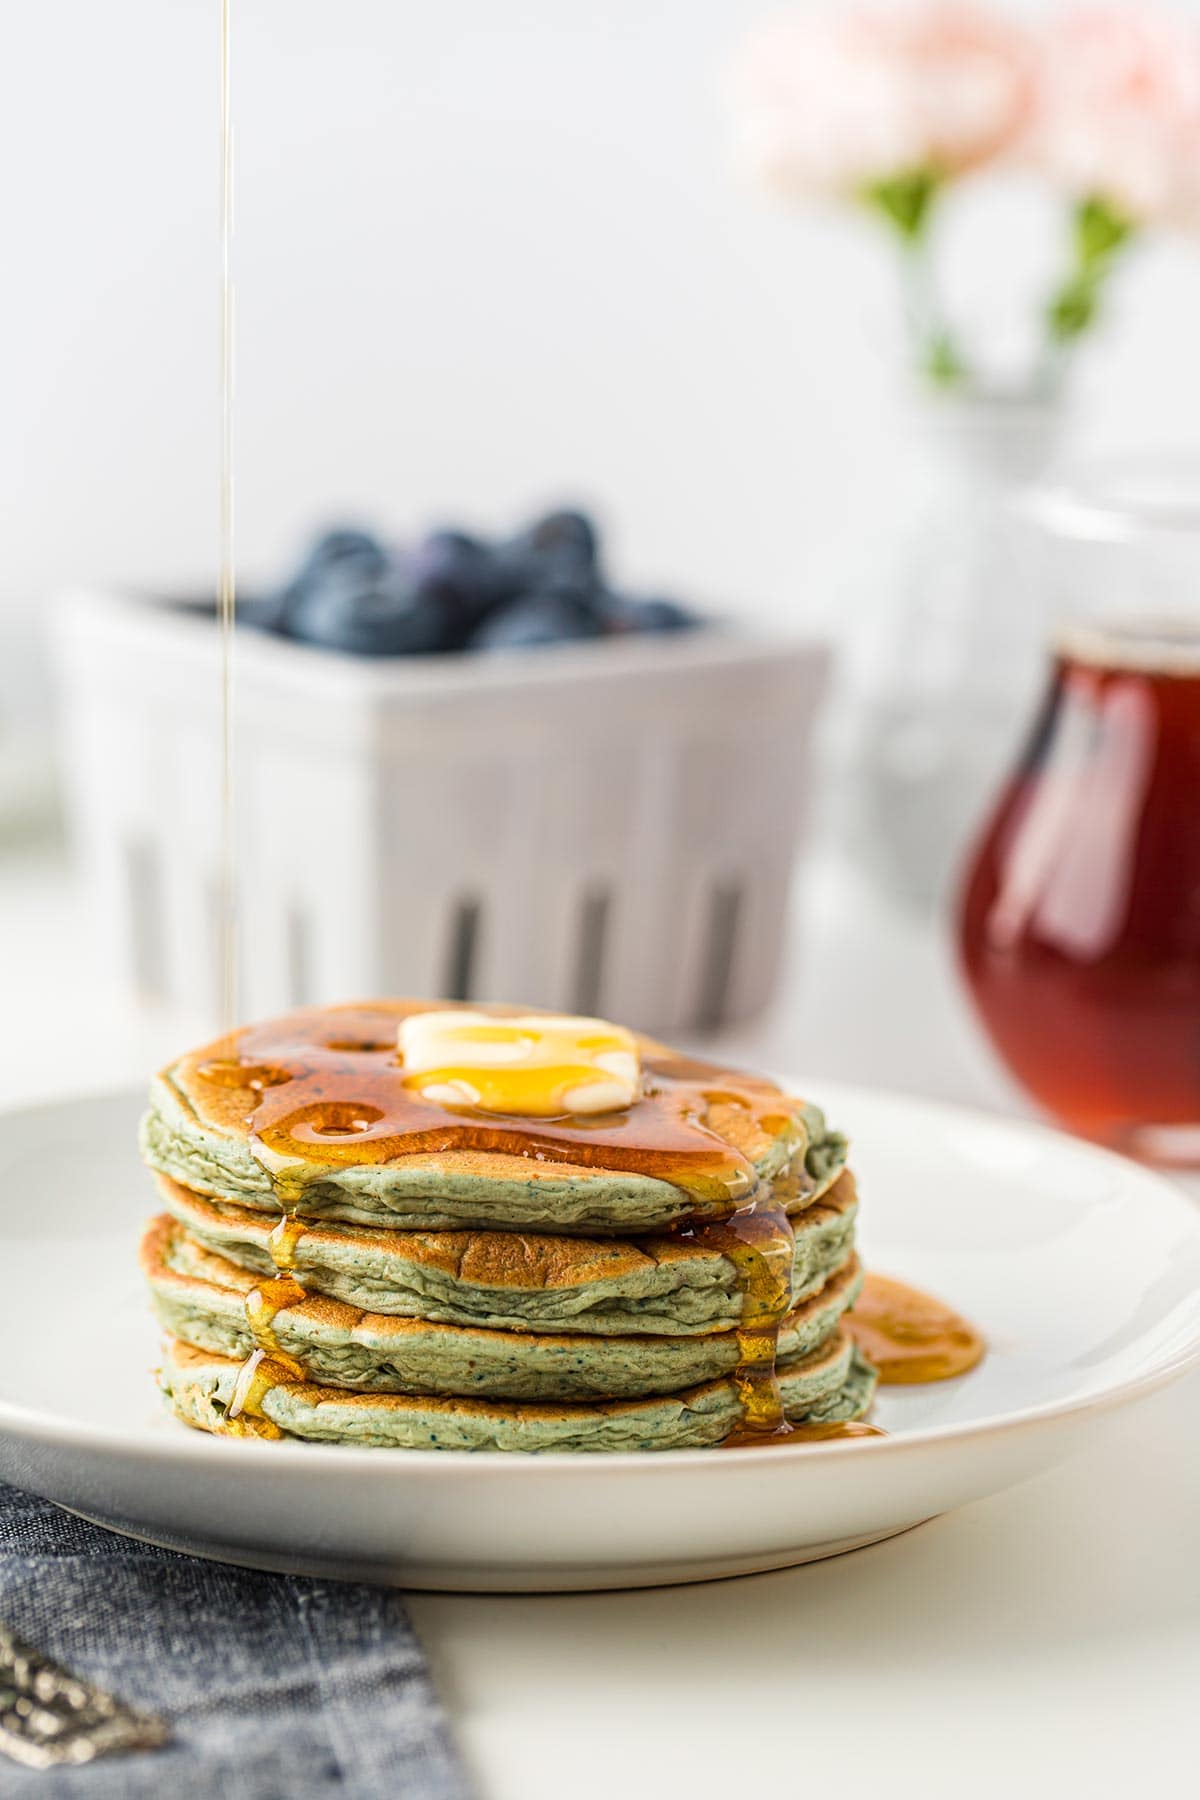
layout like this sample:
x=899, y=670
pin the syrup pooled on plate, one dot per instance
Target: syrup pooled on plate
x=910, y=1336
x=814, y=1431
x=818, y=1432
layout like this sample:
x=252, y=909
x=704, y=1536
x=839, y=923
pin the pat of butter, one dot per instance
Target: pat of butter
x=537, y=1066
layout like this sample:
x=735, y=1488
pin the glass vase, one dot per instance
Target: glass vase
x=946, y=661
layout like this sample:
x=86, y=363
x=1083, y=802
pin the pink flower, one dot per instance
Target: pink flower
x=1119, y=111
x=1184, y=208
x=833, y=101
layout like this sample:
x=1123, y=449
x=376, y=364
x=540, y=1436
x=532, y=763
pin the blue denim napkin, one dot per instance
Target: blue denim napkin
x=274, y=1687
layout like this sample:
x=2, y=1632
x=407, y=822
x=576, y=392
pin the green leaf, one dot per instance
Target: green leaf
x=1101, y=229
x=1072, y=309
x=942, y=361
x=1100, y=232
x=905, y=200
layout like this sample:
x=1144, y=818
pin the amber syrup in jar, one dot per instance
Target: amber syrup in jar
x=1080, y=918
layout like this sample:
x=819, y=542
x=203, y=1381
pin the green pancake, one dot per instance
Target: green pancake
x=198, y=1131
x=831, y=1384
x=671, y=1285
x=200, y=1298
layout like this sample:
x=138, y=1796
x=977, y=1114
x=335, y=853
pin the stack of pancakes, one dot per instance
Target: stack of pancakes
x=490, y=1295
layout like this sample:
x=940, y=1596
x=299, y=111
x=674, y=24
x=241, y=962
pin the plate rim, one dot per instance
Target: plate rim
x=57, y=1431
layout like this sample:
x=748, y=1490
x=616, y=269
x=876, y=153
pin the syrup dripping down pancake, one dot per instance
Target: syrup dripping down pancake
x=672, y=1285
x=311, y=1113
x=200, y=1298
x=830, y=1385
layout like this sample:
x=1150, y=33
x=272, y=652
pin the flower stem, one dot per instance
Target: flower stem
x=937, y=350
x=906, y=202
x=1100, y=232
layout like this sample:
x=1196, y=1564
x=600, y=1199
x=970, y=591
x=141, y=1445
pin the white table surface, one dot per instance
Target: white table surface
x=1044, y=1641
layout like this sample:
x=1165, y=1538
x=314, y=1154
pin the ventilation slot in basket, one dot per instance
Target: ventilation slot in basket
x=589, y=951
x=462, y=949
x=147, y=949
x=720, y=948
x=297, y=939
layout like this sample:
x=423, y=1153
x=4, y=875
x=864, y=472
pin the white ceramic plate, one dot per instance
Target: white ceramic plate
x=1082, y=1269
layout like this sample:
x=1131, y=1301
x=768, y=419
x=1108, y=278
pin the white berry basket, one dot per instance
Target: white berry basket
x=602, y=828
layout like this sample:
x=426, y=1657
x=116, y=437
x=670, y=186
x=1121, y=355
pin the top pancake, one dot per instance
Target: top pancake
x=219, y=1116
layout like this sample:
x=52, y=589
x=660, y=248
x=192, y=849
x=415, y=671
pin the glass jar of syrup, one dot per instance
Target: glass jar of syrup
x=1079, y=919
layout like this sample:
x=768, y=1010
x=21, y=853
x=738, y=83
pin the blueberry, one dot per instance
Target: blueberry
x=560, y=543
x=386, y=616
x=346, y=546
x=463, y=574
x=568, y=537
x=453, y=561
x=625, y=614
x=452, y=590
x=555, y=615
x=336, y=556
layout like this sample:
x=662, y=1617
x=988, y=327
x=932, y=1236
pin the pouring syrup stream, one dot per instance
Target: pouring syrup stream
x=226, y=589
x=257, y=1374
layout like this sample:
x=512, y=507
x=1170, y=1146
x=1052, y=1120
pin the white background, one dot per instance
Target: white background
x=489, y=252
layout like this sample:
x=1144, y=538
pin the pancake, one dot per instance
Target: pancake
x=831, y=1384
x=670, y=1285
x=201, y=1130
x=200, y=1298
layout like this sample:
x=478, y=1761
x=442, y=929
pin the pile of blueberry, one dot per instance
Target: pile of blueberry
x=451, y=591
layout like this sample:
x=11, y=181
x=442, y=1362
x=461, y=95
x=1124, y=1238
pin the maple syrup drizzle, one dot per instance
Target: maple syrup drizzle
x=245, y=1416
x=318, y=1101
x=910, y=1336
x=263, y=1305
x=907, y=1335
x=284, y=1240
x=759, y=1241
x=325, y=1092
x=794, y=1185
x=265, y=1302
